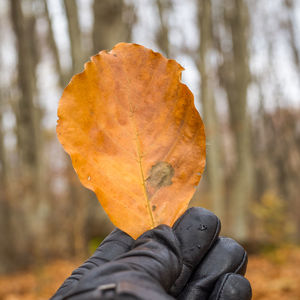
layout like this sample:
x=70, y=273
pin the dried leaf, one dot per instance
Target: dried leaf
x=134, y=136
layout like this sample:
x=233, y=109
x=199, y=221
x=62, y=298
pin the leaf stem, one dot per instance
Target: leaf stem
x=139, y=152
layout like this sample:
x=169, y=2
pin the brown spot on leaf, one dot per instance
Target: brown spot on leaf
x=160, y=175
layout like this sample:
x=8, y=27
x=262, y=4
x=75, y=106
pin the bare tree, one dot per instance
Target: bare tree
x=292, y=32
x=113, y=21
x=77, y=53
x=27, y=116
x=162, y=35
x=235, y=77
x=77, y=194
x=294, y=140
x=6, y=253
x=213, y=136
x=27, y=126
x=53, y=47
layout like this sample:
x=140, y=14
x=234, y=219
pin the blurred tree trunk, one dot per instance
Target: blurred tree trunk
x=29, y=137
x=292, y=32
x=53, y=47
x=63, y=222
x=6, y=257
x=293, y=35
x=77, y=193
x=77, y=52
x=113, y=22
x=212, y=126
x=235, y=77
x=27, y=116
x=162, y=36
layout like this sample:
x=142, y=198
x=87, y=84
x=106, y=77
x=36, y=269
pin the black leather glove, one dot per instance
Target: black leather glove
x=188, y=261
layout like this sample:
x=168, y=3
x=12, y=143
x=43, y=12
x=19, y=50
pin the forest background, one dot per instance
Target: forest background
x=242, y=61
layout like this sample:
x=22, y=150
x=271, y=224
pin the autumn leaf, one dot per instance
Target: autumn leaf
x=134, y=136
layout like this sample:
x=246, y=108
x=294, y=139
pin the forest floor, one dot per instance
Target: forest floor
x=274, y=275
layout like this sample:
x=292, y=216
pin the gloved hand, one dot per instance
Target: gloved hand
x=188, y=261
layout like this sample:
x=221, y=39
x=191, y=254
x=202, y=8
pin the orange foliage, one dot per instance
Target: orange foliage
x=134, y=136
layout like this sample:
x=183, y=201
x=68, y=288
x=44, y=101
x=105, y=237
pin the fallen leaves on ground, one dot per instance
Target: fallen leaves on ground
x=276, y=275
x=273, y=277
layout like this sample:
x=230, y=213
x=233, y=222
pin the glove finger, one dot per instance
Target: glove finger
x=197, y=229
x=115, y=244
x=226, y=256
x=153, y=263
x=232, y=287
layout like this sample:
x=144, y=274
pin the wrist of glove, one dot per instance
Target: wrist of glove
x=188, y=261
